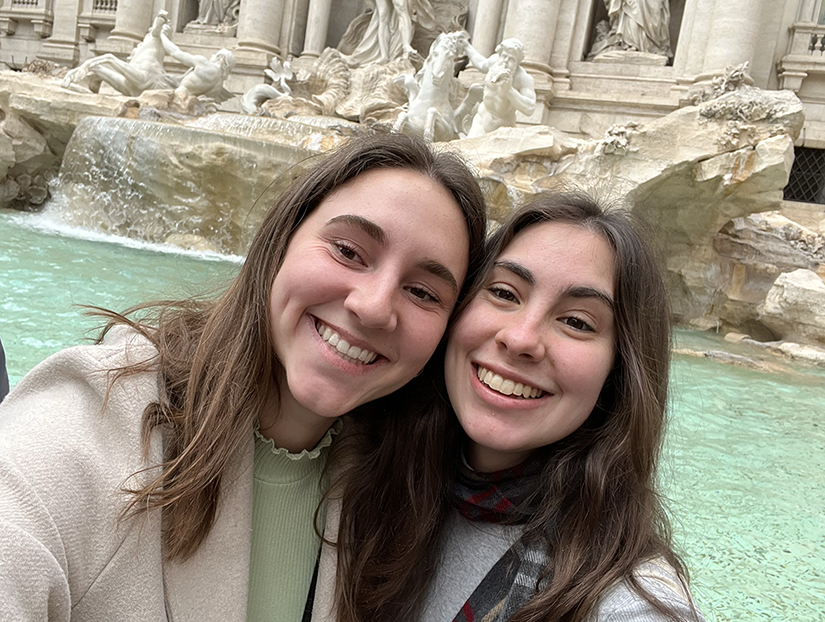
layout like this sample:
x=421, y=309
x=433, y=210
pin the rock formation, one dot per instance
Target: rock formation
x=688, y=173
x=795, y=307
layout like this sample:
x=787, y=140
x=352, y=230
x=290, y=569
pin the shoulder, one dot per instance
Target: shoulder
x=524, y=79
x=68, y=446
x=72, y=409
x=621, y=603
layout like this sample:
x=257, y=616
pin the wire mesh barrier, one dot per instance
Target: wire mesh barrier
x=807, y=180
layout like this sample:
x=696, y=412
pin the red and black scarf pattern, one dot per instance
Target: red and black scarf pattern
x=511, y=497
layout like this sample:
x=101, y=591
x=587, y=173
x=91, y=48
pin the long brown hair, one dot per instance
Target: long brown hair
x=599, y=516
x=216, y=357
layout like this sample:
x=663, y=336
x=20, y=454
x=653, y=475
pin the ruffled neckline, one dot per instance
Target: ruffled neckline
x=306, y=454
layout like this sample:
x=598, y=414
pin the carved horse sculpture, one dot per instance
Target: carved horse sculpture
x=142, y=71
x=430, y=112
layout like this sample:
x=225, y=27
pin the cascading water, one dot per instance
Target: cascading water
x=160, y=182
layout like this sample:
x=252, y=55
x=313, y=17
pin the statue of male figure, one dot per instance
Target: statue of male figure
x=508, y=88
x=206, y=75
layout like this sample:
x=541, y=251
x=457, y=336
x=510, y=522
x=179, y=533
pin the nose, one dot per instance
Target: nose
x=373, y=302
x=523, y=338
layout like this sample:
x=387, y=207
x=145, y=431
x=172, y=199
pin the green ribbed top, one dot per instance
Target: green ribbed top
x=287, y=489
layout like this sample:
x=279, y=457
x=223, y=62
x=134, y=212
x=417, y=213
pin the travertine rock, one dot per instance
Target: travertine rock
x=689, y=173
x=795, y=307
x=53, y=111
x=807, y=354
x=753, y=251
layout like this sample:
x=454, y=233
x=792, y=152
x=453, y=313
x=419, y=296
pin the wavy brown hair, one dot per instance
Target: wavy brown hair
x=216, y=357
x=599, y=515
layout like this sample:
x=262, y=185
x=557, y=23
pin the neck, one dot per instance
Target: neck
x=290, y=425
x=486, y=460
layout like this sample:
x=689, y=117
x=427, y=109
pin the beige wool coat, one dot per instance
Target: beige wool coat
x=66, y=453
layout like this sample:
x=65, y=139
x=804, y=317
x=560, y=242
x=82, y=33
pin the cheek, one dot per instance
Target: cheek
x=590, y=374
x=422, y=342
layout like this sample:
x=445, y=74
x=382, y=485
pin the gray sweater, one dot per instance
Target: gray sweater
x=469, y=550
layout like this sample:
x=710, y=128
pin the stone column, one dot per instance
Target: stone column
x=488, y=18
x=317, y=28
x=61, y=47
x=132, y=22
x=534, y=23
x=259, y=28
x=690, y=53
x=733, y=36
x=806, y=11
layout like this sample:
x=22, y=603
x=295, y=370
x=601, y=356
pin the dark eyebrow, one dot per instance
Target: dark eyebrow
x=367, y=226
x=441, y=271
x=574, y=291
x=589, y=292
x=516, y=268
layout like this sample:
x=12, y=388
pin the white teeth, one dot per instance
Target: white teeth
x=507, y=387
x=341, y=346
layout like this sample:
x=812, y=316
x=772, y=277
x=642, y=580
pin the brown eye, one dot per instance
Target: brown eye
x=503, y=294
x=577, y=324
x=346, y=251
x=423, y=294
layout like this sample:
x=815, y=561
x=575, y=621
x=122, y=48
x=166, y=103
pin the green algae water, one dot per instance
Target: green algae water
x=47, y=270
x=744, y=463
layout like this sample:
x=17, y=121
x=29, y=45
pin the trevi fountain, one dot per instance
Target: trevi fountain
x=140, y=148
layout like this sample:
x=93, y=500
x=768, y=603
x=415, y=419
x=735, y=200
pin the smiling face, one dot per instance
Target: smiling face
x=527, y=359
x=364, y=292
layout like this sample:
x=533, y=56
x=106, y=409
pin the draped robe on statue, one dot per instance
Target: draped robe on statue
x=360, y=41
x=642, y=25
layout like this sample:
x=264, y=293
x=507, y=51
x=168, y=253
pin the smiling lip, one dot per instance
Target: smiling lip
x=506, y=386
x=339, y=345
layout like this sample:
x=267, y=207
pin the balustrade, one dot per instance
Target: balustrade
x=109, y=6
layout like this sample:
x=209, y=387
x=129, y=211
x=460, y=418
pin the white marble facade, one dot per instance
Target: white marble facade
x=782, y=40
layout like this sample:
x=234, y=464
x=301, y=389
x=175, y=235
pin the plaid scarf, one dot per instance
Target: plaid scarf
x=507, y=496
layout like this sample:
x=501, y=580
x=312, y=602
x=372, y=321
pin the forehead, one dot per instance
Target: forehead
x=401, y=194
x=563, y=253
x=409, y=207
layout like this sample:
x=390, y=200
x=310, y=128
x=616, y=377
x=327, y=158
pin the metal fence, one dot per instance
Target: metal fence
x=807, y=181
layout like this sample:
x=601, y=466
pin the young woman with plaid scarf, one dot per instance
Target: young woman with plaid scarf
x=536, y=500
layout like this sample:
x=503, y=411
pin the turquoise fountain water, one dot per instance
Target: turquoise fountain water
x=744, y=465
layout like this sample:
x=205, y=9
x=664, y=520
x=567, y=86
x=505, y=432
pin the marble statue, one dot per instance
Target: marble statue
x=143, y=70
x=258, y=94
x=385, y=31
x=205, y=75
x=634, y=25
x=508, y=88
x=217, y=11
x=430, y=112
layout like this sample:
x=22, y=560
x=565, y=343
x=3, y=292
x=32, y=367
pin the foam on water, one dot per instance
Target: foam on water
x=50, y=221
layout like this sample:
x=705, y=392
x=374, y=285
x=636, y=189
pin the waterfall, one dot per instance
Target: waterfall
x=212, y=180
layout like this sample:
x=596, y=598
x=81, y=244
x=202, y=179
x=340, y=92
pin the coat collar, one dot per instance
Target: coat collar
x=213, y=583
